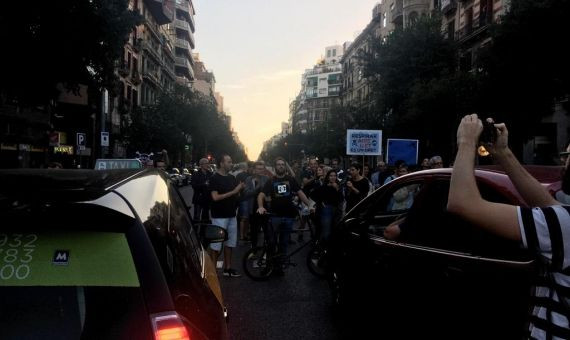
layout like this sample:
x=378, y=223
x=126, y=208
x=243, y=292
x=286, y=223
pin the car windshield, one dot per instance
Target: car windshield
x=66, y=272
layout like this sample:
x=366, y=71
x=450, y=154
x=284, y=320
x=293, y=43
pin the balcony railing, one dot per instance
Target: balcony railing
x=152, y=76
x=182, y=25
x=169, y=71
x=153, y=28
x=151, y=50
x=397, y=11
x=159, y=10
x=183, y=44
x=182, y=62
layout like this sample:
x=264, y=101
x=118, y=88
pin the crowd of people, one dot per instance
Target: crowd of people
x=244, y=198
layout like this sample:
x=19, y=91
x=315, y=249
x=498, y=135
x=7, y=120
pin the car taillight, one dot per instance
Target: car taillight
x=169, y=326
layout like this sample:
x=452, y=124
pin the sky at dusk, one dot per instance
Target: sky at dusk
x=258, y=50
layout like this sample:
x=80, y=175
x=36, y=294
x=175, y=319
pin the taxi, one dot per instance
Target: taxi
x=104, y=254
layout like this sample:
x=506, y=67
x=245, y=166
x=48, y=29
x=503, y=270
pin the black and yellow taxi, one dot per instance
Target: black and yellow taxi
x=110, y=254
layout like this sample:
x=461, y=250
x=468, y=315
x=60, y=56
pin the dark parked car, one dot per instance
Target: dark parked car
x=442, y=277
x=107, y=254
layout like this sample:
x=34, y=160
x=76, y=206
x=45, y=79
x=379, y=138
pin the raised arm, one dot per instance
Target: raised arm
x=534, y=194
x=464, y=197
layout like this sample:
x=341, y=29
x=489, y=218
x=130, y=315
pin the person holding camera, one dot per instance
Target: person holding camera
x=544, y=228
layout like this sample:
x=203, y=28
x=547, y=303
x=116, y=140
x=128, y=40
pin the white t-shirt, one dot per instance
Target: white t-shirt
x=546, y=231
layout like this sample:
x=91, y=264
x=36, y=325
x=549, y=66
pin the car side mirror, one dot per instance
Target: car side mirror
x=210, y=233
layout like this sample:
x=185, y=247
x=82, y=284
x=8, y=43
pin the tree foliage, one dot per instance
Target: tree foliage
x=64, y=41
x=176, y=115
x=526, y=67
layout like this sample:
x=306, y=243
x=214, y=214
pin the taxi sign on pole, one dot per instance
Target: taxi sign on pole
x=113, y=164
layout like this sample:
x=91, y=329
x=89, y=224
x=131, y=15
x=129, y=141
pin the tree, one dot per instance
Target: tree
x=64, y=41
x=418, y=91
x=176, y=115
x=526, y=67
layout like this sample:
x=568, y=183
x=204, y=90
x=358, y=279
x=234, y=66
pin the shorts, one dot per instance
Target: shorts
x=244, y=209
x=230, y=225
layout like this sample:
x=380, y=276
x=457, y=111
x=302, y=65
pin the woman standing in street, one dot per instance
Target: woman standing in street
x=329, y=199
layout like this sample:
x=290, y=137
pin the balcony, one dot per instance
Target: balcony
x=448, y=6
x=183, y=44
x=183, y=62
x=151, y=76
x=159, y=10
x=469, y=33
x=184, y=67
x=151, y=51
x=169, y=72
x=185, y=27
x=181, y=24
x=398, y=12
x=184, y=6
x=153, y=28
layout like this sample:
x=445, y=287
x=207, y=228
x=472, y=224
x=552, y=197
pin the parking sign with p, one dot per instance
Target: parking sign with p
x=81, y=140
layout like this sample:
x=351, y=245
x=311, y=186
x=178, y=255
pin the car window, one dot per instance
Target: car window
x=56, y=283
x=182, y=229
x=428, y=223
x=398, y=199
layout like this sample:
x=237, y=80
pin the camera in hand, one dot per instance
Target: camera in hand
x=488, y=136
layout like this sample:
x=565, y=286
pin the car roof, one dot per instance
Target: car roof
x=548, y=176
x=63, y=184
x=545, y=174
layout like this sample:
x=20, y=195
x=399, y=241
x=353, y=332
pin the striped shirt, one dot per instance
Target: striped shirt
x=546, y=231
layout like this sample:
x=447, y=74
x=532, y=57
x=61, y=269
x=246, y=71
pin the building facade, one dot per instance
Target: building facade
x=204, y=80
x=320, y=89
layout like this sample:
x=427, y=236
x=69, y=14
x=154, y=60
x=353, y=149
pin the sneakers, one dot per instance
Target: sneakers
x=231, y=273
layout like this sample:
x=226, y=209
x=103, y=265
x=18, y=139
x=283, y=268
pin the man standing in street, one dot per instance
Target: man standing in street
x=280, y=190
x=201, y=197
x=225, y=191
x=357, y=186
x=379, y=176
x=544, y=228
x=253, y=186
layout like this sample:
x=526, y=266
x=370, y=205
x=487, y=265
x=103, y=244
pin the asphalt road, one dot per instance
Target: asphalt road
x=295, y=306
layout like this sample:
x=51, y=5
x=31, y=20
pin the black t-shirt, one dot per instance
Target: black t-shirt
x=226, y=207
x=352, y=198
x=282, y=191
x=310, y=186
x=326, y=194
x=242, y=176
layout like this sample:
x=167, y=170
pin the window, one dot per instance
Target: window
x=413, y=18
x=183, y=233
x=328, y=53
x=323, y=91
x=384, y=20
x=334, y=53
x=427, y=223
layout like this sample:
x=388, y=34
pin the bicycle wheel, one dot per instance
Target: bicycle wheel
x=256, y=265
x=316, y=261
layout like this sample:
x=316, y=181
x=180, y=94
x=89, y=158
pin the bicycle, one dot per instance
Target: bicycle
x=259, y=263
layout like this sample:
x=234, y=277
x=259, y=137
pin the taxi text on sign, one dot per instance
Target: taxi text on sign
x=364, y=142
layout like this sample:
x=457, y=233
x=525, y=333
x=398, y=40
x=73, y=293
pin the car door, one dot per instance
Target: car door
x=472, y=283
x=367, y=271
